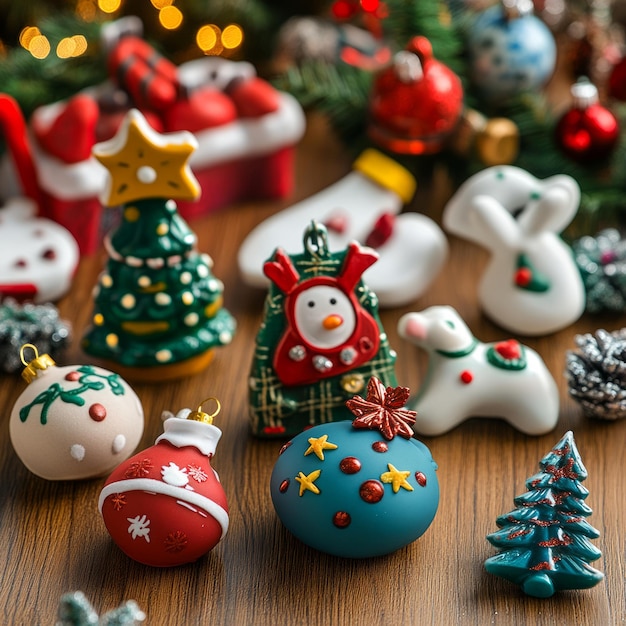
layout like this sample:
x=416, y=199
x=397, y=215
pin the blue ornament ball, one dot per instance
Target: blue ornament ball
x=352, y=493
x=510, y=56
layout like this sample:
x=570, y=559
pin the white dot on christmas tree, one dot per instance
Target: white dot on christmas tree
x=162, y=298
x=185, y=278
x=106, y=281
x=188, y=298
x=144, y=281
x=162, y=229
x=191, y=319
x=128, y=301
x=163, y=356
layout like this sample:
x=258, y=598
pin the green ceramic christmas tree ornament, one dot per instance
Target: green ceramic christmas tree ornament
x=158, y=307
x=545, y=542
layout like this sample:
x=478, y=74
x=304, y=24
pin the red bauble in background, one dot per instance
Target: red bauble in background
x=415, y=103
x=165, y=506
x=588, y=132
x=617, y=81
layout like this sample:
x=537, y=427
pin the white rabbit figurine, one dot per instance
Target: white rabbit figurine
x=531, y=285
x=467, y=378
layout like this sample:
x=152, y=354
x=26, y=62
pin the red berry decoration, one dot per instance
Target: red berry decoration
x=588, y=132
x=416, y=103
x=165, y=506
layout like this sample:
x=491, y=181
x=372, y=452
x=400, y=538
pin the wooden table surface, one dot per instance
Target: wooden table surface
x=53, y=539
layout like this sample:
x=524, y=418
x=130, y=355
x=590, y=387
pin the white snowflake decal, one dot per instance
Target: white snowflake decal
x=197, y=473
x=174, y=475
x=139, y=527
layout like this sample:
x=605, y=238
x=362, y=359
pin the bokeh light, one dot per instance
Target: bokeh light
x=87, y=10
x=71, y=46
x=109, y=6
x=39, y=47
x=81, y=44
x=170, y=17
x=66, y=48
x=27, y=35
x=161, y=4
x=232, y=36
x=207, y=36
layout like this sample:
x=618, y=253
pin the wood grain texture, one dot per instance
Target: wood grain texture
x=53, y=540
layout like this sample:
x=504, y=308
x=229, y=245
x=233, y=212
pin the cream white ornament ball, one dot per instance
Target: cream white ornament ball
x=73, y=422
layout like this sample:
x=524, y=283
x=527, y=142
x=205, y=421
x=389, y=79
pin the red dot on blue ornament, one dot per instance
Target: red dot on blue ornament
x=341, y=519
x=284, y=448
x=420, y=477
x=350, y=465
x=371, y=491
x=284, y=486
x=380, y=446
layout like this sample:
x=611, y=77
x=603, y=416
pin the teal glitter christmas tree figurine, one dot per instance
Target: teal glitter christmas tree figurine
x=158, y=307
x=544, y=542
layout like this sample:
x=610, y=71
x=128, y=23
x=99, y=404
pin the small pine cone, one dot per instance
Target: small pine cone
x=596, y=374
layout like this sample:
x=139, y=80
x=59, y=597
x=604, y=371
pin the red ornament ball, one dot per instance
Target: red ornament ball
x=416, y=103
x=588, y=132
x=617, y=81
x=165, y=506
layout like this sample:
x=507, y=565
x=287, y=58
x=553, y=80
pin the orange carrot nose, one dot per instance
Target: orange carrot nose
x=332, y=321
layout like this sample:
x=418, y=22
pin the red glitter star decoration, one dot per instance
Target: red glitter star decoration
x=383, y=409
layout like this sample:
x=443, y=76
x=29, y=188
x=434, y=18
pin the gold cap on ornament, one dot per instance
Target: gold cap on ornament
x=200, y=416
x=498, y=142
x=387, y=173
x=38, y=364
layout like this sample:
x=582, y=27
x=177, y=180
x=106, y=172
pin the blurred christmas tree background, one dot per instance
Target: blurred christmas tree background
x=51, y=49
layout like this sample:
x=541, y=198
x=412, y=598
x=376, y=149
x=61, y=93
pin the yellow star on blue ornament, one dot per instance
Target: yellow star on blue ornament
x=397, y=478
x=318, y=445
x=307, y=483
x=143, y=163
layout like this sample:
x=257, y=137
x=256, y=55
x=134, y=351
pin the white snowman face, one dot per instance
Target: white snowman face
x=37, y=256
x=324, y=316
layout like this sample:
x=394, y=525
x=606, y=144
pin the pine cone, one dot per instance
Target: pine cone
x=596, y=374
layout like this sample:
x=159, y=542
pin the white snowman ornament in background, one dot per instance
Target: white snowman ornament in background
x=38, y=257
x=532, y=285
x=467, y=378
x=73, y=422
x=363, y=206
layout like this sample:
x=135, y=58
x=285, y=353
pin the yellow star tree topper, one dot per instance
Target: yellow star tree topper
x=143, y=163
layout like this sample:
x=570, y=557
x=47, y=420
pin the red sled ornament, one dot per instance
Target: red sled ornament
x=166, y=506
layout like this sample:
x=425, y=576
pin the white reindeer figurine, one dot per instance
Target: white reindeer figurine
x=531, y=285
x=467, y=378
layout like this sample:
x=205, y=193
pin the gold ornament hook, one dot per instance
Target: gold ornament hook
x=40, y=362
x=200, y=416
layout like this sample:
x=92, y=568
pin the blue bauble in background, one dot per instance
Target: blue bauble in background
x=353, y=493
x=510, y=55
